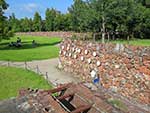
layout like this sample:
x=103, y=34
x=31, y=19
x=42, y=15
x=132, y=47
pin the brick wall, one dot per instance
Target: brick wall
x=121, y=68
x=49, y=34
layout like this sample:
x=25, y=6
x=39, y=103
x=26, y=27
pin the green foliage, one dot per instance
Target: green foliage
x=118, y=104
x=50, y=18
x=46, y=48
x=37, y=22
x=26, y=25
x=119, y=18
x=79, y=16
x=129, y=17
x=5, y=32
x=137, y=42
x=14, y=23
x=12, y=79
x=62, y=22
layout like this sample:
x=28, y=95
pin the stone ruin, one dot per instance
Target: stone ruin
x=48, y=34
x=66, y=98
x=123, y=69
x=122, y=73
x=52, y=34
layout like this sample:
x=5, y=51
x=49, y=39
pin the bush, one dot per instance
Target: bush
x=10, y=34
x=7, y=34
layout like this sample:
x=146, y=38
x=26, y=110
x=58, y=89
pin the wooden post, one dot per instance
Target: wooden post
x=108, y=36
x=94, y=37
x=37, y=69
x=8, y=63
x=25, y=64
x=128, y=38
x=46, y=75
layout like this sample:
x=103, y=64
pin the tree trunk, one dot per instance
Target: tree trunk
x=103, y=30
x=108, y=36
x=128, y=38
x=94, y=37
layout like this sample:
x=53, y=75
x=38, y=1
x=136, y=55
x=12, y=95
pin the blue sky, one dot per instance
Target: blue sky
x=27, y=8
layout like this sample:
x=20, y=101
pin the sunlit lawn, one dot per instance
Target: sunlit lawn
x=137, y=42
x=46, y=48
x=12, y=79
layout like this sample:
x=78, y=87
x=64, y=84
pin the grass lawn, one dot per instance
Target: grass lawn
x=12, y=79
x=137, y=42
x=45, y=49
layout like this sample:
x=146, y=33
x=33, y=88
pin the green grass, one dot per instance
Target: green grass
x=46, y=48
x=137, y=42
x=12, y=79
x=118, y=104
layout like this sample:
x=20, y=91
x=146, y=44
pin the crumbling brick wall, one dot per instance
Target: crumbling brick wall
x=124, y=69
x=51, y=34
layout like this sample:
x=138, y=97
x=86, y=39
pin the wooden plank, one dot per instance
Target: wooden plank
x=81, y=108
x=65, y=96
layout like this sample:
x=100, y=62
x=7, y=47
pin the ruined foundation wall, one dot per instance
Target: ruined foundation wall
x=50, y=34
x=121, y=68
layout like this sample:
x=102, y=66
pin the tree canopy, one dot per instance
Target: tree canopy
x=5, y=32
x=116, y=18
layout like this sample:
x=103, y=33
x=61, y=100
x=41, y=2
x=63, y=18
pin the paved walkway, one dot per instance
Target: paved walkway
x=46, y=66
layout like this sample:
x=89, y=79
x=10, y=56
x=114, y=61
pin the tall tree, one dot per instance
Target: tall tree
x=14, y=23
x=37, y=22
x=26, y=24
x=77, y=11
x=113, y=15
x=50, y=18
x=62, y=22
x=4, y=30
x=102, y=9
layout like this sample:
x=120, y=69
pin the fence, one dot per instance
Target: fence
x=26, y=66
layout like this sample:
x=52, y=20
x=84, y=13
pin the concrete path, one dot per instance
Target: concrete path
x=45, y=67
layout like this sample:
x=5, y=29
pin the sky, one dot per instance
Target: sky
x=27, y=8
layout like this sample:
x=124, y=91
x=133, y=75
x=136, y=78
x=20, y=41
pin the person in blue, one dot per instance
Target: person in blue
x=96, y=80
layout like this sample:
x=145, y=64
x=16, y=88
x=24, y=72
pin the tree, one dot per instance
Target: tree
x=14, y=23
x=4, y=30
x=102, y=10
x=109, y=16
x=117, y=18
x=145, y=24
x=77, y=11
x=50, y=18
x=67, y=22
x=26, y=25
x=62, y=22
x=37, y=22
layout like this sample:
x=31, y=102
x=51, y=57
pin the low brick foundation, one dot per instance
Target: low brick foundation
x=121, y=68
x=49, y=34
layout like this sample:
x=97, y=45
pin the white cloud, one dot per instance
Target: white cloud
x=30, y=7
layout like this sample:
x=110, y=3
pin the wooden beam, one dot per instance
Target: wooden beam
x=81, y=108
x=65, y=96
x=60, y=88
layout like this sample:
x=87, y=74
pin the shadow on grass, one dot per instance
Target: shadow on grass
x=25, y=45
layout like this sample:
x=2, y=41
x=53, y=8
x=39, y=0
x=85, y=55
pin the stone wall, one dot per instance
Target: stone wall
x=121, y=68
x=49, y=34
